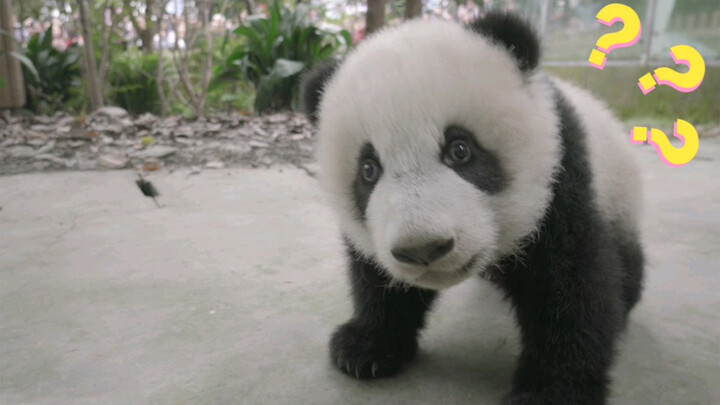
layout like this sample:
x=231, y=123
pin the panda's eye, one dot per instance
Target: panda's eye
x=459, y=152
x=370, y=171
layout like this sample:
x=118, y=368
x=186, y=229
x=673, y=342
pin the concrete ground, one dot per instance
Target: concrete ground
x=228, y=293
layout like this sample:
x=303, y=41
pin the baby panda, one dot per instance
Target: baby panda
x=447, y=155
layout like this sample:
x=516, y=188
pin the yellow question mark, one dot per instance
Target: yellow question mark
x=627, y=36
x=684, y=82
x=671, y=155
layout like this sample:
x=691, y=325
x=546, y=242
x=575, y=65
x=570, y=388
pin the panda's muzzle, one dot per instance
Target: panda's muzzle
x=423, y=254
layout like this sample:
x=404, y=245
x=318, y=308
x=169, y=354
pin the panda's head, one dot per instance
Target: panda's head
x=437, y=143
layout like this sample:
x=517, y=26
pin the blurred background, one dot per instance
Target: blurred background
x=192, y=59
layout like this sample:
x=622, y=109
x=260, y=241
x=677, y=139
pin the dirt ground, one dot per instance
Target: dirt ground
x=228, y=293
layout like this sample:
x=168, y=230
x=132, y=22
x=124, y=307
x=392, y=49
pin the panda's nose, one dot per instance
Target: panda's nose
x=423, y=254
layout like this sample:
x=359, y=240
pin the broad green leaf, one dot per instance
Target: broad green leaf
x=27, y=63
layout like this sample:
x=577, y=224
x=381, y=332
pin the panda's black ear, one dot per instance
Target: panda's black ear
x=312, y=86
x=512, y=32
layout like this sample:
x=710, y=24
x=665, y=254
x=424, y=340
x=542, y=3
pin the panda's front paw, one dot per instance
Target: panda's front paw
x=365, y=353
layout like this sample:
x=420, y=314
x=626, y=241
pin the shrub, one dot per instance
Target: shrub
x=277, y=49
x=133, y=85
x=49, y=74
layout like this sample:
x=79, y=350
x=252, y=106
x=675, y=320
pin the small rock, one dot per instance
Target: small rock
x=184, y=141
x=46, y=148
x=54, y=159
x=108, y=128
x=258, y=144
x=42, y=128
x=236, y=150
x=43, y=119
x=87, y=165
x=66, y=121
x=40, y=165
x=243, y=131
x=183, y=131
x=216, y=164
x=277, y=118
x=21, y=152
x=35, y=142
x=260, y=131
x=145, y=120
x=112, y=161
x=111, y=111
x=158, y=151
x=33, y=134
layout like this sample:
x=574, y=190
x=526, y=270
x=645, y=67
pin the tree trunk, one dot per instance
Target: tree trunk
x=250, y=6
x=375, y=18
x=146, y=36
x=148, y=33
x=413, y=9
x=96, y=99
x=12, y=93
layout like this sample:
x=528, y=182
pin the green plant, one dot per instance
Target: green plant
x=133, y=85
x=49, y=73
x=276, y=50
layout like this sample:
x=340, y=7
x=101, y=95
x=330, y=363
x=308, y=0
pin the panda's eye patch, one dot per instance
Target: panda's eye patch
x=370, y=171
x=471, y=161
x=459, y=152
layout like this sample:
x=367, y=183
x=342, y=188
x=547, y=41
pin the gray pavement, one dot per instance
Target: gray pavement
x=228, y=293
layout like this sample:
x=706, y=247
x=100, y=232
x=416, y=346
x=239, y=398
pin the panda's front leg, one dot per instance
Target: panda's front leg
x=382, y=334
x=568, y=336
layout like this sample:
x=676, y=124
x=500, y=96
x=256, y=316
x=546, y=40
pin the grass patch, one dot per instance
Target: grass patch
x=618, y=87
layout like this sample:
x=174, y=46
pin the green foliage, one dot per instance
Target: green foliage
x=231, y=96
x=133, y=85
x=617, y=86
x=276, y=50
x=49, y=74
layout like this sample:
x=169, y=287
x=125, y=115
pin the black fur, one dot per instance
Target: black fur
x=571, y=285
x=382, y=334
x=483, y=170
x=312, y=86
x=512, y=32
x=361, y=189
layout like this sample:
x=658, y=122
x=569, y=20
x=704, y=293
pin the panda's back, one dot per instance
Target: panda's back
x=616, y=174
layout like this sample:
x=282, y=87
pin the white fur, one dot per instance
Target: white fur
x=399, y=90
x=616, y=175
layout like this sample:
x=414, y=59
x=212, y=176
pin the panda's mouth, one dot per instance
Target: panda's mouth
x=443, y=278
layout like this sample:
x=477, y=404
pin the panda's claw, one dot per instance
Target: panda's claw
x=363, y=353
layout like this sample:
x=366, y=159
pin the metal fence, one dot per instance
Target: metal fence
x=570, y=29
